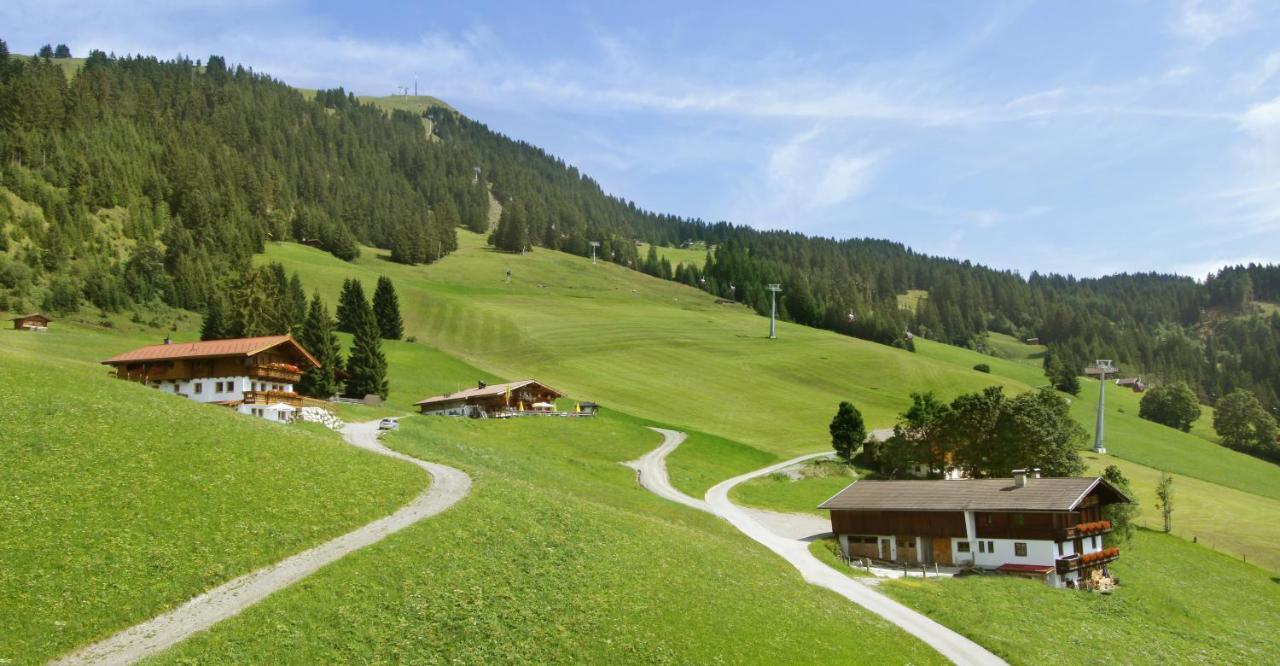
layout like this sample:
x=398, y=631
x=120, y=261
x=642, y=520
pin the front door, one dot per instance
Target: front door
x=942, y=550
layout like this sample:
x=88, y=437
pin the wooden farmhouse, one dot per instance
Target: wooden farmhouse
x=494, y=400
x=1048, y=528
x=252, y=375
x=31, y=322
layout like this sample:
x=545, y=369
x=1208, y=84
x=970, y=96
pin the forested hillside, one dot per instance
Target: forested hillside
x=137, y=180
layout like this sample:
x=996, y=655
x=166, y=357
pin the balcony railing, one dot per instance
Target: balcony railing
x=1085, y=529
x=288, y=374
x=1077, y=561
x=272, y=397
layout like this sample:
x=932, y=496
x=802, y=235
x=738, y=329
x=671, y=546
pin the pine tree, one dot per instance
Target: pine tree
x=46, y=51
x=215, y=325
x=366, y=365
x=386, y=308
x=254, y=309
x=318, y=338
x=62, y=51
x=351, y=303
x=294, y=306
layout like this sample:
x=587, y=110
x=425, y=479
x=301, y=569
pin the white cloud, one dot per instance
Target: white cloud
x=1203, y=25
x=805, y=177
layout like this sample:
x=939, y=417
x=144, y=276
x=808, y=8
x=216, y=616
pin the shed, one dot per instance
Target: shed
x=32, y=322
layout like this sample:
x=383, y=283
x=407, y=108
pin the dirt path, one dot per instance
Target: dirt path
x=948, y=643
x=448, y=485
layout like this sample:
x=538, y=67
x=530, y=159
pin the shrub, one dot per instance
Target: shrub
x=982, y=367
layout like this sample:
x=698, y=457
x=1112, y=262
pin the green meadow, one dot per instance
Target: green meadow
x=121, y=502
x=669, y=353
x=557, y=556
x=1177, y=603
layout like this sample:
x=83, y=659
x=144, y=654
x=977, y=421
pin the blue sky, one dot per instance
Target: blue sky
x=1089, y=137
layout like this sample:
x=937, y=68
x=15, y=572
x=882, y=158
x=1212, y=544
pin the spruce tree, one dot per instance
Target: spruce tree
x=294, y=306
x=351, y=302
x=215, y=325
x=46, y=51
x=62, y=51
x=318, y=337
x=254, y=309
x=366, y=365
x=386, y=308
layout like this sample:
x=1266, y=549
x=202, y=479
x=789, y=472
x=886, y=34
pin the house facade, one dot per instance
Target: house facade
x=1048, y=528
x=494, y=400
x=254, y=376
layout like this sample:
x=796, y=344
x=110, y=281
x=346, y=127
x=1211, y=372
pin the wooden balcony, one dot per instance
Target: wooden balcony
x=272, y=397
x=1076, y=562
x=274, y=373
x=1085, y=529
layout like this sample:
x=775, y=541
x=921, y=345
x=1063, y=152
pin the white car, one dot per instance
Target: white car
x=388, y=424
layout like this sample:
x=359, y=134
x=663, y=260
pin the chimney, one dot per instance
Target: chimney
x=481, y=384
x=1035, y=472
x=1020, y=478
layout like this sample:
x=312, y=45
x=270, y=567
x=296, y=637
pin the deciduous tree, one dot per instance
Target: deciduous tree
x=1174, y=405
x=847, y=431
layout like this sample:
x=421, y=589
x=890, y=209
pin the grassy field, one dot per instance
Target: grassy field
x=1177, y=603
x=1012, y=349
x=679, y=255
x=641, y=345
x=802, y=493
x=911, y=299
x=557, y=556
x=120, y=501
x=668, y=353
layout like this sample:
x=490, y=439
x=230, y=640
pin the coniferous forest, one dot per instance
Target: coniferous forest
x=138, y=180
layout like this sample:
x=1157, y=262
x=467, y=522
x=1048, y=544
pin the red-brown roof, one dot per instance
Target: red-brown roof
x=210, y=349
x=33, y=315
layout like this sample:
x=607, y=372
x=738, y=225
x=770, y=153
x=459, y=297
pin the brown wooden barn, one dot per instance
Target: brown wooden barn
x=494, y=400
x=32, y=322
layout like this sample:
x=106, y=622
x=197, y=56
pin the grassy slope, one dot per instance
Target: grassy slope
x=679, y=255
x=641, y=345
x=1172, y=607
x=120, y=501
x=911, y=299
x=556, y=556
x=668, y=353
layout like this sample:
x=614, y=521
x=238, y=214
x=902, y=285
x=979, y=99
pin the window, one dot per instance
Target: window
x=1020, y=549
x=1093, y=540
x=1059, y=549
x=991, y=546
x=1018, y=520
x=199, y=387
x=982, y=546
x=963, y=546
x=175, y=387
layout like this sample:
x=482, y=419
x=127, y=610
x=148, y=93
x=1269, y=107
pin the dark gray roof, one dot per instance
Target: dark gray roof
x=1044, y=494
